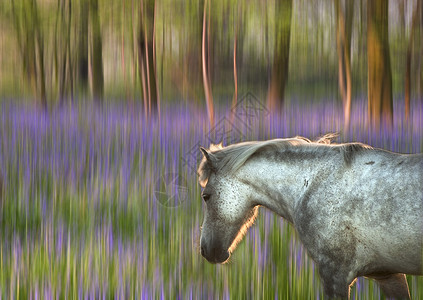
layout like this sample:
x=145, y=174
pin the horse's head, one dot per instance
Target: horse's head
x=229, y=207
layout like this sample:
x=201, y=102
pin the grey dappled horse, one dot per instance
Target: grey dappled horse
x=357, y=210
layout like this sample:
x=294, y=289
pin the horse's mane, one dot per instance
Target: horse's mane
x=232, y=157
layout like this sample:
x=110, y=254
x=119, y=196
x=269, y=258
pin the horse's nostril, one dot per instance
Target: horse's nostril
x=203, y=251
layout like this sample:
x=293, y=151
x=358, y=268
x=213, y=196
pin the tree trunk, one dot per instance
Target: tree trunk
x=83, y=45
x=236, y=27
x=343, y=45
x=63, y=49
x=401, y=13
x=97, y=53
x=281, y=55
x=1, y=190
x=147, y=57
x=142, y=59
x=40, y=67
x=378, y=65
x=407, y=81
x=235, y=96
x=420, y=71
x=205, y=51
x=70, y=65
x=31, y=46
x=35, y=40
x=151, y=55
x=340, y=42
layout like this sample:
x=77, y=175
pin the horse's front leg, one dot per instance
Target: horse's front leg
x=336, y=283
x=394, y=286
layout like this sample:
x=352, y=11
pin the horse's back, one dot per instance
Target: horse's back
x=387, y=179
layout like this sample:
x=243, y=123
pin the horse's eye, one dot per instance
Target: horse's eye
x=206, y=197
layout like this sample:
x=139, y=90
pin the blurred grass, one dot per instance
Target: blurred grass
x=79, y=216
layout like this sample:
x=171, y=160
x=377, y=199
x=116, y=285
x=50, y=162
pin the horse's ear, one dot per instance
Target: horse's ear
x=208, y=155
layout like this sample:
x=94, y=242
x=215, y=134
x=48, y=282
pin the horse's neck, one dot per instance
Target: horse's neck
x=279, y=185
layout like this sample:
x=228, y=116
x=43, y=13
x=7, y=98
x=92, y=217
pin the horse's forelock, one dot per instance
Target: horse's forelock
x=204, y=171
x=208, y=163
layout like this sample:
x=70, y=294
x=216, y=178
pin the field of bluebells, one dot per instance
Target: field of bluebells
x=101, y=202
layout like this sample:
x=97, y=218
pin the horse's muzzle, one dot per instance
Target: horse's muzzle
x=213, y=253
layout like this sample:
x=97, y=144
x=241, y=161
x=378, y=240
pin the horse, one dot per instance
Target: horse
x=358, y=210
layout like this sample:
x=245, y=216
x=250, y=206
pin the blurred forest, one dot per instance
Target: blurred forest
x=203, y=53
